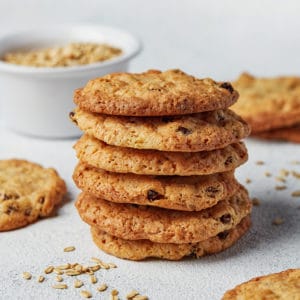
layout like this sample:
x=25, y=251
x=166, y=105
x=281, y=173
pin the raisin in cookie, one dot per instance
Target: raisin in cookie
x=135, y=222
x=280, y=286
x=191, y=193
x=152, y=162
x=27, y=192
x=142, y=249
x=154, y=93
x=190, y=133
x=268, y=103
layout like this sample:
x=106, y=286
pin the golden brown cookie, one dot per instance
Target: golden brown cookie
x=268, y=103
x=152, y=162
x=190, y=133
x=27, y=191
x=135, y=222
x=289, y=134
x=190, y=193
x=142, y=249
x=154, y=93
x=280, y=286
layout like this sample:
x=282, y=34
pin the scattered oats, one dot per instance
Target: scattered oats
x=132, y=294
x=277, y=221
x=260, y=162
x=248, y=180
x=93, y=279
x=96, y=260
x=78, y=268
x=102, y=287
x=26, y=275
x=140, y=297
x=296, y=193
x=268, y=174
x=49, y=270
x=64, y=267
x=280, y=187
x=112, y=265
x=255, y=201
x=58, y=271
x=284, y=172
x=58, y=278
x=85, y=294
x=41, y=278
x=95, y=268
x=104, y=266
x=61, y=286
x=89, y=271
x=78, y=283
x=84, y=269
x=69, y=249
x=296, y=174
x=114, y=292
x=281, y=179
x=72, y=272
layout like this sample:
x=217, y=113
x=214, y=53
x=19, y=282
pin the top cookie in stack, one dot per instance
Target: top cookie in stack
x=166, y=142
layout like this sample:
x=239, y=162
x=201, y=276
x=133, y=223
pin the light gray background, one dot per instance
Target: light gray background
x=212, y=38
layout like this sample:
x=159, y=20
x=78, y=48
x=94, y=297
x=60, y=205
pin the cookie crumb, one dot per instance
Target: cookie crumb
x=60, y=286
x=93, y=279
x=268, y=174
x=85, y=294
x=284, y=173
x=248, y=180
x=277, y=221
x=281, y=179
x=132, y=294
x=296, y=174
x=41, y=279
x=26, y=275
x=296, y=193
x=78, y=284
x=260, y=162
x=102, y=287
x=58, y=278
x=255, y=201
x=49, y=270
x=69, y=249
x=280, y=187
x=114, y=292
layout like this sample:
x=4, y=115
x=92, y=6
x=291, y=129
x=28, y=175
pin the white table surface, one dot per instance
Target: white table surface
x=206, y=38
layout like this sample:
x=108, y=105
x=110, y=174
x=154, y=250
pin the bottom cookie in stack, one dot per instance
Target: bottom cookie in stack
x=123, y=229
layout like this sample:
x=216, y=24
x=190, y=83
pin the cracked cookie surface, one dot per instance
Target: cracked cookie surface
x=188, y=193
x=135, y=222
x=142, y=249
x=154, y=93
x=281, y=286
x=27, y=191
x=152, y=162
x=190, y=133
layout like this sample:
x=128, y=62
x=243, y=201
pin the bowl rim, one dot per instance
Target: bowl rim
x=14, y=68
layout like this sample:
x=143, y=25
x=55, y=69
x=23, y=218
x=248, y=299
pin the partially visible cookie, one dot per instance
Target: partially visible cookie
x=190, y=193
x=289, y=134
x=152, y=162
x=190, y=133
x=135, y=222
x=27, y=191
x=154, y=93
x=268, y=103
x=142, y=249
x=280, y=286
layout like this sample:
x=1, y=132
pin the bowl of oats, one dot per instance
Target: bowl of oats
x=41, y=68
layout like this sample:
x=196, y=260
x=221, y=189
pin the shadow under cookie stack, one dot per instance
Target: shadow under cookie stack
x=156, y=165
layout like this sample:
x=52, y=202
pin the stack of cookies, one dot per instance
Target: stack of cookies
x=270, y=105
x=156, y=165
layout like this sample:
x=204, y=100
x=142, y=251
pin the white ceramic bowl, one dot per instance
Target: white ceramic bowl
x=37, y=101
